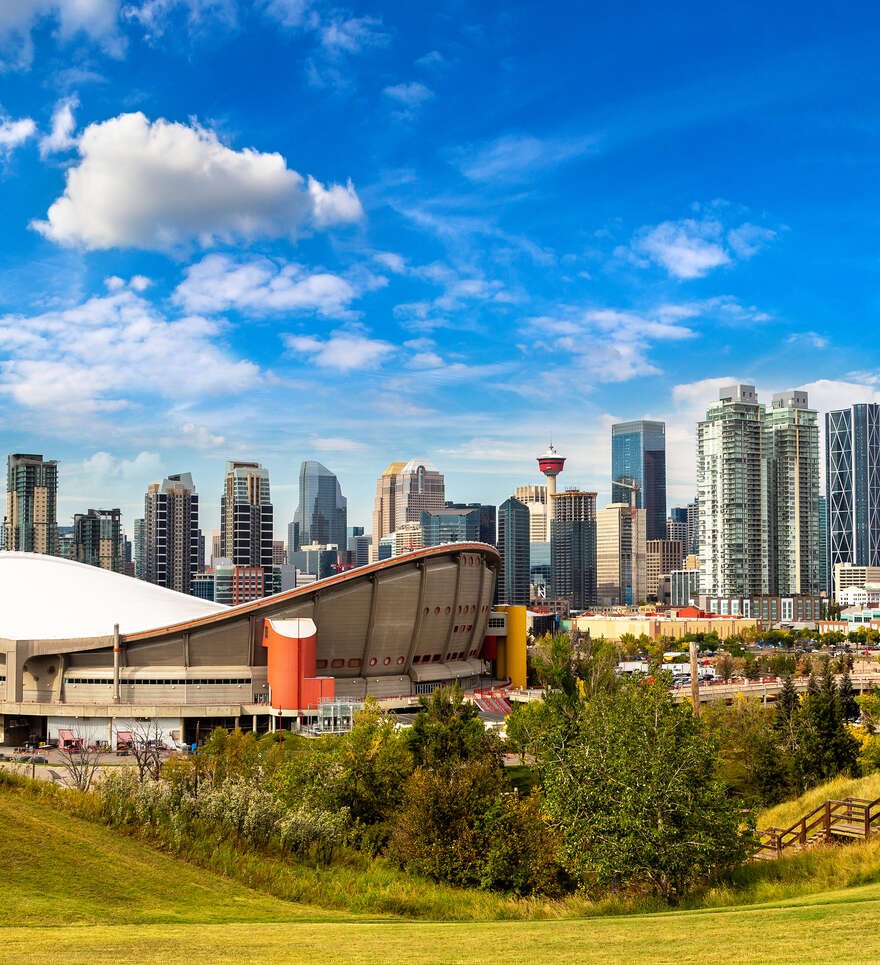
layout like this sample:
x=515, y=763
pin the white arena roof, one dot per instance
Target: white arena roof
x=49, y=598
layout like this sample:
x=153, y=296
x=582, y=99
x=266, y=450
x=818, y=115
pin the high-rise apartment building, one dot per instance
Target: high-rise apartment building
x=620, y=555
x=171, y=532
x=824, y=574
x=322, y=512
x=246, y=517
x=31, y=493
x=758, y=481
x=790, y=453
x=573, y=547
x=535, y=498
x=98, y=540
x=638, y=459
x=852, y=485
x=729, y=494
x=663, y=556
x=513, y=546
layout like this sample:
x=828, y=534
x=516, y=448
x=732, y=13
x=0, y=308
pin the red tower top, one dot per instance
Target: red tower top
x=551, y=463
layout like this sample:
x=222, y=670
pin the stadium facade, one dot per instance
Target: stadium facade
x=95, y=651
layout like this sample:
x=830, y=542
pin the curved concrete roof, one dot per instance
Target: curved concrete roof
x=49, y=598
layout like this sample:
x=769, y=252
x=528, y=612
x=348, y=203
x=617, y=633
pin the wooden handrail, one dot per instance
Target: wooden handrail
x=851, y=811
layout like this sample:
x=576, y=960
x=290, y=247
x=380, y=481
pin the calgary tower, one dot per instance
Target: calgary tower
x=551, y=463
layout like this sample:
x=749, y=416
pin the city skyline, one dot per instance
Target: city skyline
x=644, y=240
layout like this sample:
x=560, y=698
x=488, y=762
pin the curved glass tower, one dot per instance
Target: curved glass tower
x=322, y=513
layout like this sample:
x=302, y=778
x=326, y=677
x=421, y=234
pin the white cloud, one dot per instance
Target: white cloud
x=110, y=352
x=344, y=351
x=61, y=138
x=686, y=249
x=351, y=34
x=140, y=282
x=411, y=96
x=199, y=437
x=160, y=185
x=515, y=157
x=102, y=466
x=14, y=133
x=289, y=13
x=813, y=339
x=218, y=283
x=337, y=444
x=95, y=19
x=154, y=15
x=691, y=248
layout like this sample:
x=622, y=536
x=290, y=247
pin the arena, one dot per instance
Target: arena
x=86, y=649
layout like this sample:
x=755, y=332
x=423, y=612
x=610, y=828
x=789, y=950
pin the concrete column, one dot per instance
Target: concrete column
x=254, y=723
x=116, y=663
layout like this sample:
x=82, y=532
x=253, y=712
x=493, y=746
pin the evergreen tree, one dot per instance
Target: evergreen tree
x=812, y=686
x=849, y=709
x=786, y=706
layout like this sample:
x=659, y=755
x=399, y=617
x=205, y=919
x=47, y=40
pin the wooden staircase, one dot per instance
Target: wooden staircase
x=850, y=818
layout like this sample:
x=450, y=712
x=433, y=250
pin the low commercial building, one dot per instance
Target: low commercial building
x=847, y=575
x=769, y=610
x=656, y=627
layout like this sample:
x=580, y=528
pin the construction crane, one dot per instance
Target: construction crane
x=627, y=482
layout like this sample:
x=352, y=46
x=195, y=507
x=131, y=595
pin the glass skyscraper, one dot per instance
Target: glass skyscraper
x=513, y=545
x=852, y=480
x=638, y=458
x=322, y=513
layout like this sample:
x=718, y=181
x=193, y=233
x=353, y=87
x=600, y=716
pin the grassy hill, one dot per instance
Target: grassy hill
x=73, y=891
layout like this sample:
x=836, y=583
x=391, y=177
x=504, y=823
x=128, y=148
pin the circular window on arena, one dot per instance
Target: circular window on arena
x=337, y=663
x=386, y=661
x=401, y=660
x=448, y=610
x=436, y=609
x=373, y=661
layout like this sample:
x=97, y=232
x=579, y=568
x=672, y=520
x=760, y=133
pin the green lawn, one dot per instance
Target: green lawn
x=73, y=891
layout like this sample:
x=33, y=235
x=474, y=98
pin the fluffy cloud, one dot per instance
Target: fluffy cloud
x=351, y=34
x=96, y=19
x=160, y=185
x=218, y=283
x=14, y=133
x=111, y=350
x=60, y=137
x=691, y=248
x=343, y=351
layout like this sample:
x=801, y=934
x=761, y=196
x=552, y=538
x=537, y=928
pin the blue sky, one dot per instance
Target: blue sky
x=284, y=230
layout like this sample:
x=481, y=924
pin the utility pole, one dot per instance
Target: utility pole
x=695, y=680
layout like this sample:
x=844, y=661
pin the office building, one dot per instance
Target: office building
x=171, y=533
x=322, y=512
x=203, y=585
x=638, y=471
x=488, y=520
x=98, y=539
x=359, y=545
x=846, y=576
x=678, y=530
x=385, y=505
x=402, y=491
x=279, y=553
x=450, y=525
x=140, y=550
x=663, y=556
x=65, y=543
x=573, y=547
x=852, y=485
x=535, y=499
x=684, y=586
x=790, y=530
x=512, y=585
x=246, y=517
x=620, y=555
x=540, y=570
x=317, y=559
x=729, y=484
x=31, y=493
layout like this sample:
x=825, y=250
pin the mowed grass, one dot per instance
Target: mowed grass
x=74, y=891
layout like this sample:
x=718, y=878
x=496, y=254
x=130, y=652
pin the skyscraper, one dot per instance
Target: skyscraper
x=31, y=492
x=385, y=506
x=488, y=520
x=758, y=480
x=535, y=498
x=402, y=492
x=620, y=555
x=852, y=481
x=663, y=556
x=513, y=546
x=140, y=550
x=171, y=532
x=97, y=538
x=638, y=457
x=246, y=517
x=573, y=547
x=823, y=546
x=729, y=494
x=322, y=512
x=790, y=451
x=451, y=525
